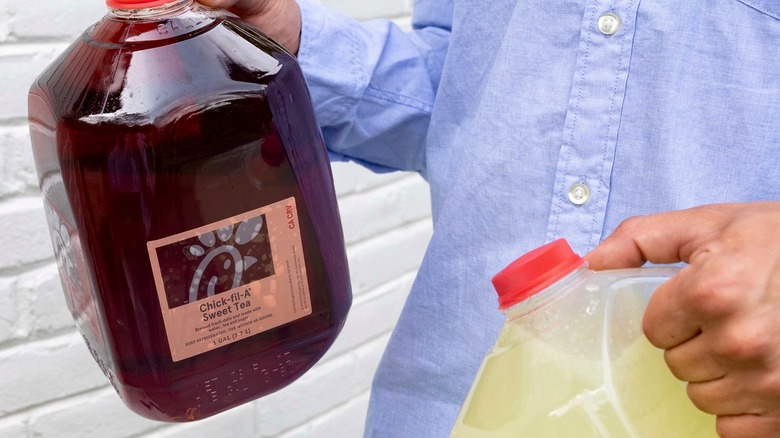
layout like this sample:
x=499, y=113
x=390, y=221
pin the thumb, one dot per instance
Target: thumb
x=224, y=4
x=243, y=8
x=660, y=238
x=279, y=19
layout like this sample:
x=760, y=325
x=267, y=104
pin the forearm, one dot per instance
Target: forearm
x=374, y=85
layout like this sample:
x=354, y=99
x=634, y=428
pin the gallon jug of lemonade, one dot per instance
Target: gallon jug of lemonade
x=191, y=207
x=572, y=360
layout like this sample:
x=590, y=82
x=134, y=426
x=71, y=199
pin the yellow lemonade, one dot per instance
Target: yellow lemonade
x=530, y=387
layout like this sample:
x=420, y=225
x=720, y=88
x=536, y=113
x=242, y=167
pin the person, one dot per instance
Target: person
x=653, y=123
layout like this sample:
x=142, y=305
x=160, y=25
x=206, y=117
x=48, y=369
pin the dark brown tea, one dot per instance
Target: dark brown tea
x=191, y=206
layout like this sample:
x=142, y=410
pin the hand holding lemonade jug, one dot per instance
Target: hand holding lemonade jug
x=571, y=359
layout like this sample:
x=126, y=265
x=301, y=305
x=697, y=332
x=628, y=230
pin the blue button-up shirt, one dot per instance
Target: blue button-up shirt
x=532, y=122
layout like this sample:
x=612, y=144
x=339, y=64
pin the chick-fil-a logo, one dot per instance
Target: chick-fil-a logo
x=216, y=261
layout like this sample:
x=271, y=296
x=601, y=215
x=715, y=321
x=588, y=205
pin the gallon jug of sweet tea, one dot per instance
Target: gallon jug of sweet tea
x=572, y=360
x=191, y=207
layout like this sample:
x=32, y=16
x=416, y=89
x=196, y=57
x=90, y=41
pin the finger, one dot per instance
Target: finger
x=224, y=4
x=660, y=238
x=737, y=393
x=715, y=397
x=656, y=238
x=243, y=7
x=668, y=321
x=253, y=7
x=693, y=360
x=748, y=426
x=279, y=19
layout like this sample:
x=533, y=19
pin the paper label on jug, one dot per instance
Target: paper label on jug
x=232, y=279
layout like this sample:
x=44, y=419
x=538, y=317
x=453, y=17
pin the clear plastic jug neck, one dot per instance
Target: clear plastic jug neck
x=550, y=294
x=131, y=9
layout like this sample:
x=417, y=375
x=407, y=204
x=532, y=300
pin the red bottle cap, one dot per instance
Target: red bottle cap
x=534, y=271
x=136, y=4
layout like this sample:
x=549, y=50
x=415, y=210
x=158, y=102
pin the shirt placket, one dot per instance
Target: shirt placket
x=582, y=179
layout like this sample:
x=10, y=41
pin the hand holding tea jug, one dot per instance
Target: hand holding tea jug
x=279, y=19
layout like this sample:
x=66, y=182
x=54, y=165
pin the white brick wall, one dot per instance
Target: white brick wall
x=51, y=387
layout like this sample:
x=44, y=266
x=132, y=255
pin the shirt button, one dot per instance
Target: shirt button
x=609, y=23
x=579, y=194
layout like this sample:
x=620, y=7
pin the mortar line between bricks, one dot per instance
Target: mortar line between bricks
x=30, y=192
x=336, y=407
x=13, y=122
x=37, y=41
x=148, y=433
x=333, y=409
x=15, y=271
x=48, y=336
x=405, y=179
x=385, y=288
x=354, y=398
x=51, y=403
x=413, y=223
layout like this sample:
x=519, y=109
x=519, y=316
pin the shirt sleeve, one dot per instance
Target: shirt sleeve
x=373, y=85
